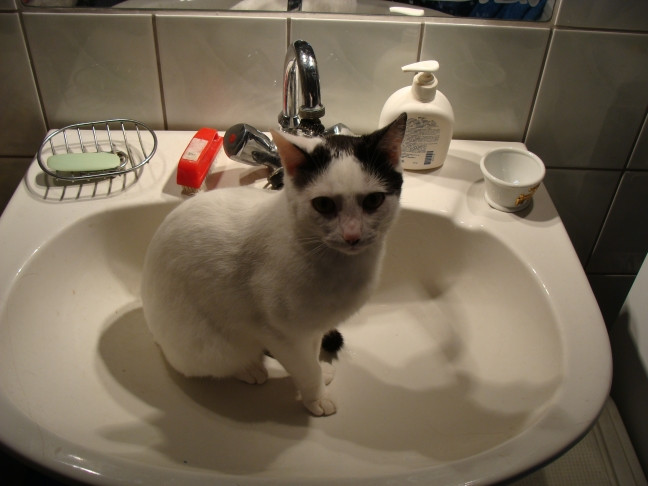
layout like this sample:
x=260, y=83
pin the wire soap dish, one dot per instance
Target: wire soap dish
x=133, y=142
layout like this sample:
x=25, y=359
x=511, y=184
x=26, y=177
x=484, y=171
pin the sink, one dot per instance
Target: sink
x=481, y=355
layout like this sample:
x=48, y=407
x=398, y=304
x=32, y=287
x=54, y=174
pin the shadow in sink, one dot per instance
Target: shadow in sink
x=405, y=414
x=48, y=188
x=220, y=178
x=456, y=353
x=534, y=213
x=204, y=423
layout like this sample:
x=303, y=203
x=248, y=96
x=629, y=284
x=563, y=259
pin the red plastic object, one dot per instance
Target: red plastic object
x=198, y=157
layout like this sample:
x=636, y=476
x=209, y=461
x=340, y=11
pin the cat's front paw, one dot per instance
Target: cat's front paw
x=321, y=407
x=328, y=372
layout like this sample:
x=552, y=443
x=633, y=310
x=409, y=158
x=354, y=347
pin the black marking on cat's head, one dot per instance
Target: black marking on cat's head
x=377, y=152
x=380, y=154
x=314, y=164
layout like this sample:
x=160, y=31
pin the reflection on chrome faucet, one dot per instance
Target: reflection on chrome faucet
x=299, y=115
x=300, y=73
x=246, y=144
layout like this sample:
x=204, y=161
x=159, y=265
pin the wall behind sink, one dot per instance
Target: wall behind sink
x=573, y=89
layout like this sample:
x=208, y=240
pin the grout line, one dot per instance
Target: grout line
x=607, y=274
x=156, y=44
x=32, y=66
x=599, y=30
x=536, y=93
x=599, y=232
x=601, y=446
x=620, y=170
x=288, y=31
x=11, y=156
x=420, y=42
x=635, y=143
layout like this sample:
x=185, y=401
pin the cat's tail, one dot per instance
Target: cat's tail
x=332, y=341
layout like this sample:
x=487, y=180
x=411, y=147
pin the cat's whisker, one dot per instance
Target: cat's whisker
x=315, y=246
x=308, y=240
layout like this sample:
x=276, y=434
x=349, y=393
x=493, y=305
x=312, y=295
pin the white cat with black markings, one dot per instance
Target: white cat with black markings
x=234, y=273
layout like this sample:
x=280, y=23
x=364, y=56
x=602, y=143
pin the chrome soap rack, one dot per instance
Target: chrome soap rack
x=134, y=149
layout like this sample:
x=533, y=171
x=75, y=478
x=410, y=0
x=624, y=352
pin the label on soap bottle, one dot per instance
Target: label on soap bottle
x=420, y=144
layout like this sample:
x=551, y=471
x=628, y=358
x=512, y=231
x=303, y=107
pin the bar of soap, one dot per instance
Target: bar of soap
x=83, y=162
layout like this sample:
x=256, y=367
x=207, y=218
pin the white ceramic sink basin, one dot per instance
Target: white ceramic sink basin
x=481, y=356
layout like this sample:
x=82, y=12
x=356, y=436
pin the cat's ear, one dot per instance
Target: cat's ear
x=390, y=139
x=293, y=149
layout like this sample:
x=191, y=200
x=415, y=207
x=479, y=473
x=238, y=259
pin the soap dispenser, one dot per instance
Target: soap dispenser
x=430, y=118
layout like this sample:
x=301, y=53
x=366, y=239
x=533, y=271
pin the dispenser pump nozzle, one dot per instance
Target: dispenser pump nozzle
x=425, y=83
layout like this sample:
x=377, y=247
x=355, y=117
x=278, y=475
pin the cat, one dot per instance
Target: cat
x=234, y=274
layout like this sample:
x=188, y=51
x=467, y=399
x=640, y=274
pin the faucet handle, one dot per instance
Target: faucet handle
x=244, y=143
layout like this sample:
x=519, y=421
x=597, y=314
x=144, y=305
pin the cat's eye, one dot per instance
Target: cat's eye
x=324, y=205
x=373, y=201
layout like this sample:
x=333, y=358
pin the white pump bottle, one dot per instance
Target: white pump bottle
x=430, y=118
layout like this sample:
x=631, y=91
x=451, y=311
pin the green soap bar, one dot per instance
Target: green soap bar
x=83, y=162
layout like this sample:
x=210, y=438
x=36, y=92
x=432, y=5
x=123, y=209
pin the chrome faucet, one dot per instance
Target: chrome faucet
x=300, y=67
x=246, y=144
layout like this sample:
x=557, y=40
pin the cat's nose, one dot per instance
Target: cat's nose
x=351, y=230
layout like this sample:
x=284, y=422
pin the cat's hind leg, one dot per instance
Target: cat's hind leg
x=254, y=374
x=202, y=351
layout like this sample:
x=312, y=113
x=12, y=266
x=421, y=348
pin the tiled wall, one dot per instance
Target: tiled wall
x=587, y=126
x=575, y=90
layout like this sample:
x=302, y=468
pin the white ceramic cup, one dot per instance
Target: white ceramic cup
x=511, y=177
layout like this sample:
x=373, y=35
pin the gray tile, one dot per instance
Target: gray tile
x=95, y=66
x=12, y=170
x=22, y=126
x=582, y=198
x=7, y=5
x=639, y=157
x=489, y=74
x=359, y=63
x=610, y=292
x=209, y=80
x=592, y=99
x=623, y=242
x=604, y=14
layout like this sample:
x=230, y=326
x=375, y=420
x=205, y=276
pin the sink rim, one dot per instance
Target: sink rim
x=568, y=418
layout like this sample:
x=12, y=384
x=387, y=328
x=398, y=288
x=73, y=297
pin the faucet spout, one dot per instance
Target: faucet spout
x=247, y=144
x=300, y=70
